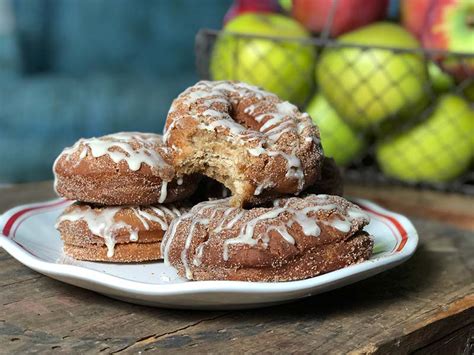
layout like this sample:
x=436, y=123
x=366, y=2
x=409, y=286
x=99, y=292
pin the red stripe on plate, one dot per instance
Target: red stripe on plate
x=395, y=222
x=11, y=221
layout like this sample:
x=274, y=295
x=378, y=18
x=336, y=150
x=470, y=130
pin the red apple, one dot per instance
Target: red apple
x=348, y=15
x=414, y=15
x=243, y=6
x=450, y=27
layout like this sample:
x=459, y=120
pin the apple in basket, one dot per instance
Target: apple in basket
x=242, y=6
x=413, y=15
x=283, y=66
x=369, y=84
x=440, y=80
x=446, y=25
x=341, y=15
x=435, y=150
x=339, y=140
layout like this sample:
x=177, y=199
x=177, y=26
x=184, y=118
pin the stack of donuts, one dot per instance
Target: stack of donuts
x=125, y=187
x=145, y=197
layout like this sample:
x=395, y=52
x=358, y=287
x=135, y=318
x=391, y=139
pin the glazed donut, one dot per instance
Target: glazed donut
x=116, y=234
x=127, y=168
x=257, y=145
x=296, y=239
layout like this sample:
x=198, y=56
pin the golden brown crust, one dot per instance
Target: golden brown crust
x=124, y=253
x=251, y=141
x=120, y=169
x=295, y=239
x=87, y=230
x=316, y=261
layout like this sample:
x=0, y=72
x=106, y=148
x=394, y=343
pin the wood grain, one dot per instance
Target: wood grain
x=425, y=305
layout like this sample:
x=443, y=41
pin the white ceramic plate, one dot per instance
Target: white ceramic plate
x=29, y=236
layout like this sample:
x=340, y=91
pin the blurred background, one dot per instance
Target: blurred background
x=82, y=68
x=390, y=83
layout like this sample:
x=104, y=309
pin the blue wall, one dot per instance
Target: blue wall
x=90, y=67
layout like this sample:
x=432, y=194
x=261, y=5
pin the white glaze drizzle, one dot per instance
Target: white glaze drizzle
x=356, y=212
x=197, y=260
x=309, y=224
x=187, y=244
x=264, y=185
x=103, y=223
x=119, y=147
x=227, y=212
x=306, y=218
x=283, y=119
x=294, y=168
x=232, y=126
x=166, y=244
x=163, y=191
x=283, y=233
x=249, y=109
x=246, y=232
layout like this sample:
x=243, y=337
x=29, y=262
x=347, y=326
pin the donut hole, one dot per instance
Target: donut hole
x=246, y=120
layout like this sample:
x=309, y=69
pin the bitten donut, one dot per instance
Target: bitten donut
x=116, y=234
x=257, y=145
x=127, y=168
x=296, y=239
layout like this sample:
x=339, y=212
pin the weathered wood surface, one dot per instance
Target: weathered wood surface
x=425, y=305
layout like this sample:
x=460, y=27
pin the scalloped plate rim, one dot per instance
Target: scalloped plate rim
x=120, y=287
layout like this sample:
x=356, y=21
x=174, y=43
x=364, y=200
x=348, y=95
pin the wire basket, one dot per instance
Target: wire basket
x=383, y=150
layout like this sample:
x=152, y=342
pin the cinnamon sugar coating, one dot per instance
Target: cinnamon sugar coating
x=257, y=145
x=127, y=168
x=295, y=239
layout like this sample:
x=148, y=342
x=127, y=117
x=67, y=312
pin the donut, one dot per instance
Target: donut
x=295, y=239
x=257, y=145
x=115, y=234
x=127, y=168
x=331, y=183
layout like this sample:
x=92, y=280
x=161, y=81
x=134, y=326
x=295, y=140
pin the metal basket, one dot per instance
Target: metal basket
x=363, y=168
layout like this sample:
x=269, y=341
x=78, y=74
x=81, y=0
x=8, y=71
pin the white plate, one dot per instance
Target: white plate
x=29, y=236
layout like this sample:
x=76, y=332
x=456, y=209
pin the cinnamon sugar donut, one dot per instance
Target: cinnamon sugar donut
x=296, y=239
x=127, y=168
x=118, y=234
x=257, y=145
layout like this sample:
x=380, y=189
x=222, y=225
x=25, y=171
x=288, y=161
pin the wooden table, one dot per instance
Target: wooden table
x=425, y=305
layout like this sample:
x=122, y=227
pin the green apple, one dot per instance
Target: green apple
x=449, y=27
x=339, y=140
x=440, y=80
x=283, y=67
x=436, y=150
x=368, y=85
x=286, y=5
